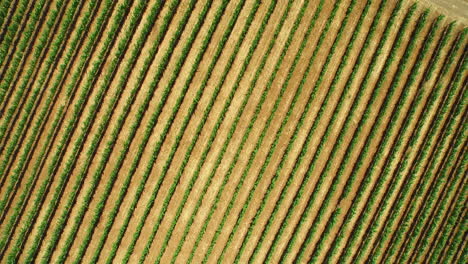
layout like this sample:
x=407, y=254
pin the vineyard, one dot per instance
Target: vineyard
x=233, y=131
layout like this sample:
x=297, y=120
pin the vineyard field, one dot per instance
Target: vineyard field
x=242, y=131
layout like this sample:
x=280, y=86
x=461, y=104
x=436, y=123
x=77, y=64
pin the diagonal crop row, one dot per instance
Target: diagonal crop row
x=39, y=52
x=7, y=9
x=392, y=188
x=409, y=181
x=384, y=202
x=438, y=220
x=305, y=147
x=427, y=230
x=96, y=70
x=430, y=198
x=169, y=123
x=158, y=76
x=395, y=114
x=457, y=220
x=356, y=200
x=221, y=116
x=19, y=135
x=121, y=120
x=381, y=113
x=21, y=85
x=378, y=121
x=385, y=231
x=195, y=65
x=153, y=120
x=166, y=92
x=273, y=146
x=24, y=45
x=77, y=108
x=14, y=31
x=39, y=125
x=256, y=114
x=19, y=209
x=187, y=118
x=78, y=145
x=9, y=73
x=440, y=242
x=442, y=173
x=363, y=186
x=128, y=68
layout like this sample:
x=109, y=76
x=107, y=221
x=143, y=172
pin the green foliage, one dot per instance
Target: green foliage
x=383, y=178
x=30, y=106
x=12, y=28
x=46, y=184
x=428, y=201
x=24, y=158
x=253, y=119
x=412, y=175
x=285, y=120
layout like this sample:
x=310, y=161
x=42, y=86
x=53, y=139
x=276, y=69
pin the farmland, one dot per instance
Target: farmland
x=242, y=131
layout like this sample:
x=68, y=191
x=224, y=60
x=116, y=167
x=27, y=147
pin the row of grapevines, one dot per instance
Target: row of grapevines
x=10, y=32
x=194, y=66
x=430, y=198
x=361, y=191
x=305, y=147
x=77, y=108
x=369, y=107
x=120, y=122
x=169, y=123
x=384, y=233
x=220, y=118
x=144, y=107
x=420, y=232
x=222, y=114
x=13, y=180
x=150, y=128
x=122, y=12
x=39, y=125
x=442, y=238
x=335, y=80
x=11, y=68
x=396, y=113
x=426, y=204
x=332, y=251
x=122, y=48
x=425, y=227
x=456, y=220
x=36, y=54
x=387, y=131
x=274, y=179
x=187, y=118
x=437, y=220
x=21, y=85
x=60, y=84
x=23, y=46
x=19, y=135
x=391, y=190
x=6, y=9
x=257, y=112
x=306, y=179
x=124, y=76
